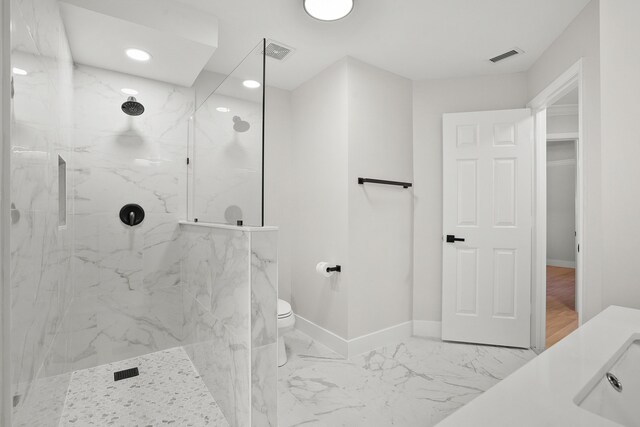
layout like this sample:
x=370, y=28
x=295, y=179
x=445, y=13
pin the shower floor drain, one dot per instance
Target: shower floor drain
x=126, y=373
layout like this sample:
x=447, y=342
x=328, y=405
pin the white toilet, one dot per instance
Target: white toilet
x=286, y=320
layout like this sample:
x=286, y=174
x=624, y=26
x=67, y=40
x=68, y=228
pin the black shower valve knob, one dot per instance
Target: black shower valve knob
x=131, y=214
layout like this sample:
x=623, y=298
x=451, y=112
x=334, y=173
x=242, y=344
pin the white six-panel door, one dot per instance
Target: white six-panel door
x=487, y=201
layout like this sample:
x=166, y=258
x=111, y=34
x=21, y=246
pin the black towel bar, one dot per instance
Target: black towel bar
x=383, y=181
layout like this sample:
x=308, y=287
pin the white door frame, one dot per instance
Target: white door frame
x=566, y=82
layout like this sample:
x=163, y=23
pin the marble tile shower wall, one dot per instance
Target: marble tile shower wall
x=127, y=279
x=41, y=247
x=215, y=277
x=229, y=279
x=264, y=328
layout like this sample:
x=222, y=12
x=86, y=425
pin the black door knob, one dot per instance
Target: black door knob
x=452, y=239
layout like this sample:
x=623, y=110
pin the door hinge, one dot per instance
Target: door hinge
x=187, y=160
x=578, y=247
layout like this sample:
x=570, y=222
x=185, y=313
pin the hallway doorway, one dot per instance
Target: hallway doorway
x=562, y=317
x=562, y=145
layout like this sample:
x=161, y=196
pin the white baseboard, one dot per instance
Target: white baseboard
x=380, y=338
x=368, y=342
x=561, y=263
x=324, y=336
x=427, y=328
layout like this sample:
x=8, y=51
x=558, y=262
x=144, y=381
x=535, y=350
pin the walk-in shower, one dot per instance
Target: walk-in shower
x=128, y=283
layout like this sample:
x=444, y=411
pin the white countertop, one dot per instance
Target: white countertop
x=542, y=392
x=229, y=227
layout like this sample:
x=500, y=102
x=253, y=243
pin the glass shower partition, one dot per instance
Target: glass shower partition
x=226, y=148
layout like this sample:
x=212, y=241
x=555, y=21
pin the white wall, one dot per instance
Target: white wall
x=581, y=40
x=620, y=67
x=318, y=125
x=432, y=98
x=562, y=123
x=279, y=179
x=561, y=212
x=352, y=120
x=380, y=217
x=320, y=222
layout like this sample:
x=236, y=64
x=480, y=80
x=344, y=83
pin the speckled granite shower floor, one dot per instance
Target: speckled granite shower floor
x=414, y=383
x=168, y=391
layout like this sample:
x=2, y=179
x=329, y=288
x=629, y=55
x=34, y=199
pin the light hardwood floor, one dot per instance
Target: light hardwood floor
x=562, y=318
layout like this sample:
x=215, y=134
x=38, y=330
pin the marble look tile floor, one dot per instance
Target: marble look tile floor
x=417, y=382
x=168, y=391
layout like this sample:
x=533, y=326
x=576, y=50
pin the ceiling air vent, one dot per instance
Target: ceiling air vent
x=506, y=55
x=278, y=51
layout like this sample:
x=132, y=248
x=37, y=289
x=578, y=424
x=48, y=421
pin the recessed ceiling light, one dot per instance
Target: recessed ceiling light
x=19, y=71
x=138, y=54
x=128, y=91
x=328, y=10
x=223, y=109
x=251, y=84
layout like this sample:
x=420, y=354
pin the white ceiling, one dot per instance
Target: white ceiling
x=417, y=39
x=180, y=39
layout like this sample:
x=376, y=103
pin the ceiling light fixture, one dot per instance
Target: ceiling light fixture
x=138, y=54
x=223, y=109
x=251, y=84
x=128, y=91
x=19, y=71
x=328, y=10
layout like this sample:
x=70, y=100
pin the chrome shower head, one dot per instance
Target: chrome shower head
x=240, y=125
x=132, y=107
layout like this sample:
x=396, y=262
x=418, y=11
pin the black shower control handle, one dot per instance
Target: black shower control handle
x=452, y=239
x=131, y=214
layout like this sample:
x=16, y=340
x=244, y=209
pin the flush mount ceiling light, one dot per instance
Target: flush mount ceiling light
x=128, y=91
x=138, y=54
x=19, y=71
x=223, y=109
x=251, y=84
x=328, y=10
